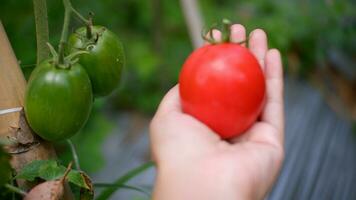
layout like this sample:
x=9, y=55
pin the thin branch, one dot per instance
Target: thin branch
x=125, y=186
x=105, y=194
x=87, y=22
x=80, y=17
x=15, y=189
x=74, y=154
x=64, y=35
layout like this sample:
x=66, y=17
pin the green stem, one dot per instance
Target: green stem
x=68, y=10
x=80, y=17
x=226, y=31
x=42, y=33
x=64, y=35
x=88, y=23
x=15, y=189
x=125, y=186
x=105, y=194
x=74, y=154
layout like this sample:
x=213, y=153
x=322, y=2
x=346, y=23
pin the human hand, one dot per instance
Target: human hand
x=194, y=163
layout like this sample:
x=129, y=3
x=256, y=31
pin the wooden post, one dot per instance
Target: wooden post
x=13, y=126
x=194, y=21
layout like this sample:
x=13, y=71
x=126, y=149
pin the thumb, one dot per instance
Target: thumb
x=170, y=102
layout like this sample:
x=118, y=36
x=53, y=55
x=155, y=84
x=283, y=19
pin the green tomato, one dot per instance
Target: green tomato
x=58, y=100
x=105, y=59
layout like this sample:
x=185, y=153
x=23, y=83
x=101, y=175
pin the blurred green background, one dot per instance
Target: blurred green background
x=315, y=38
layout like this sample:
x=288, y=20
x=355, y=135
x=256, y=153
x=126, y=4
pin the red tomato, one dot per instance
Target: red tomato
x=223, y=86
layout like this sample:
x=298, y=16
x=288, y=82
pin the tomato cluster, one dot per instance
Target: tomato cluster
x=59, y=96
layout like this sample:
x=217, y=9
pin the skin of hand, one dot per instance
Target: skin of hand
x=193, y=163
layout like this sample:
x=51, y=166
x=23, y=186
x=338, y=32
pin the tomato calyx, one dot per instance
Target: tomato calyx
x=225, y=29
x=90, y=42
x=69, y=60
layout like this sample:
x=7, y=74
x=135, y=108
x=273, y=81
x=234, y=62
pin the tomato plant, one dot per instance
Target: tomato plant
x=58, y=100
x=223, y=86
x=105, y=60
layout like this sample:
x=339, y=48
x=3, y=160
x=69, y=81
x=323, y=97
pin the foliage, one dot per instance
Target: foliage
x=5, y=169
x=155, y=54
x=156, y=39
x=49, y=170
x=308, y=29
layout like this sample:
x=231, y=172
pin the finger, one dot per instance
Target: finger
x=273, y=112
x=216, y=35
x=258, y=45
x=170, y=102
x=238, y=34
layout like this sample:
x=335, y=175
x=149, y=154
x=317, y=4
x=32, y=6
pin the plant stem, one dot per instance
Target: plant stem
x=125, y=186
x=15, y=189
x=226, y=31
x=42, y=35
x=105, y=194
x=64, y=35
x=80, y=17
x=68, y=9
x=74, y=154
x=13, y=193
x=88, y=23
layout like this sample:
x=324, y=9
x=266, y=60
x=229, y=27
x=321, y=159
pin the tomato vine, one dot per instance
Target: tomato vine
x=42, y=35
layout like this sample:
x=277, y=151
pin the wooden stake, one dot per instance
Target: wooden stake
x=194, y=21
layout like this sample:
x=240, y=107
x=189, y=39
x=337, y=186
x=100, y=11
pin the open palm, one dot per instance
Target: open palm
x=194, y=163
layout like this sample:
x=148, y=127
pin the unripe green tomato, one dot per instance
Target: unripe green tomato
x=105, y=58
x=58, y=101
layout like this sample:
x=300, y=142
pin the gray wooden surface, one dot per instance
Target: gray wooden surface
x=320, y=161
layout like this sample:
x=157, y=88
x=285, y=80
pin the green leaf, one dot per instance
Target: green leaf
x=51, y=170
x=5, y=168
x=120, y=182
x=80, y=179
x=86, y=194
x=83, y=181
x=44, y=169
x=30, y=171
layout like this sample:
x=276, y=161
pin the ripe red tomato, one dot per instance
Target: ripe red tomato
x=223, y=86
